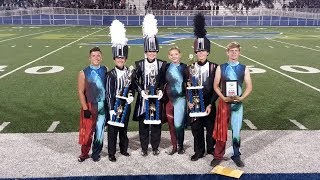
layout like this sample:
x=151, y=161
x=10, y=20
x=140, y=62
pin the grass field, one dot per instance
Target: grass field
x=31, y=102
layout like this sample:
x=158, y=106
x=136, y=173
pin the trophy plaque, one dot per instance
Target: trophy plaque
x=152, y=102
x=195, y=92
x=121, y=106
x=231, y=88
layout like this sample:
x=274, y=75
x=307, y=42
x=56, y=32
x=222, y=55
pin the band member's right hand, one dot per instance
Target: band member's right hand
x=129, y=99
x=190, y=105
x=86, y=113
x=111, y=113
x=143, y=94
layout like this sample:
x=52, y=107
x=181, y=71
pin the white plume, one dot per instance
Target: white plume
x=149, y=26
x=118, y=33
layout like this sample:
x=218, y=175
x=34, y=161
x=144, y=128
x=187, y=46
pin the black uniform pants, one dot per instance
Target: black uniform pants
x=145, y=136
x=197, y=128
x=123, y=137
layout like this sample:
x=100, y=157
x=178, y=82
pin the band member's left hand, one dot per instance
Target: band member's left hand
x=129, y=99
x=208, y=109
x=160, y=94
x=237, y=99
x=111, y=113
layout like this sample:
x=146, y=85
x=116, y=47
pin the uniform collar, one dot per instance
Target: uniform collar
x=202, y=63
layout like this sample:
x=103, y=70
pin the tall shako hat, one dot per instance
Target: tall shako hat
x=201, y=43
x=118, y=39
x=150, y=30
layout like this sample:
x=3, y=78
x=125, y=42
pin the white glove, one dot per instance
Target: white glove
x=160, y=94
x=143, y=94
x=129, y=99
x=111, y=113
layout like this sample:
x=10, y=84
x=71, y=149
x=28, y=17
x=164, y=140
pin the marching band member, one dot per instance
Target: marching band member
x=91, y=90
x=144, y=70
x=175, y=103
x=117, y=80
x=230, y=107
x=206, y=70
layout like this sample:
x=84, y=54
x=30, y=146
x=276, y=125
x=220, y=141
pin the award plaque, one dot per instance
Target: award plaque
x=195, y=93
x=152, y=103
x=231, y=88
x=121, y=106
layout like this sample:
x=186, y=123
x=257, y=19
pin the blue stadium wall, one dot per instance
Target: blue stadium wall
x=92, y=20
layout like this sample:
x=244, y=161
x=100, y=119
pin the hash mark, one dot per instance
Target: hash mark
x=3, y=125
x=53, y=126
x=300, y=126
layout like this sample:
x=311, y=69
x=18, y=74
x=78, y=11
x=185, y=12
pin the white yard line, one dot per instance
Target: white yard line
x=304, y=47
x=3, y=125
x=297, y=80
x=250, y=124
x=4, y=75
x=53, y=126
x=31, y=34
x=300, y=126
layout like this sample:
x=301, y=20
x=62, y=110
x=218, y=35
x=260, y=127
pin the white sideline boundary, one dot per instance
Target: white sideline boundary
x=39, y=155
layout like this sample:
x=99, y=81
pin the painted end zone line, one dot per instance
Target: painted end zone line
x=3, y=125
x=53, y=126
x=250, y=124
x=300, y=126
x=47, y=54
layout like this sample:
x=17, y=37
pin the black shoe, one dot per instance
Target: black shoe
x=210, y=152
x=125, y=153
x=82, y=158
x=237, y=160
x=215, y=162
x=144, y=153
x=173, y=151
x=112, y=158
x=96, y=159
x=181, y=150
x=195, y=157
x=155, y=152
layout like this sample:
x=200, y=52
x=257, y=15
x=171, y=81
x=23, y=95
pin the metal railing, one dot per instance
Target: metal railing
x=225, y=17
x=126, y=12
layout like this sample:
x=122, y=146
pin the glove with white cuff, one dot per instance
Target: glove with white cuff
x=130, y=99
x=111, y=113
x=160, y=94
x=143, y=94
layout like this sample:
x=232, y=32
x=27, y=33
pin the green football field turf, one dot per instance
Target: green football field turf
x=284, y=61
